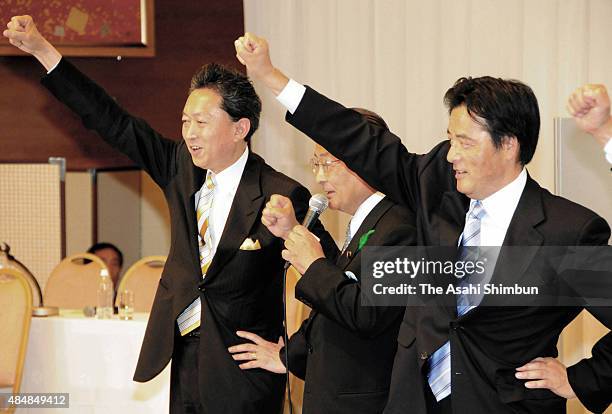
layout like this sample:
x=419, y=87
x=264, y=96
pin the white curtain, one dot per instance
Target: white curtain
x=398, y=57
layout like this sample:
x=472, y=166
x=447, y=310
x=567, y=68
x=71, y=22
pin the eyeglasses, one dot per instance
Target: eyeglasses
x=316, y=163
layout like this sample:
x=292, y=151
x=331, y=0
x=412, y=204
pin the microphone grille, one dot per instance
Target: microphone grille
x=318, y=202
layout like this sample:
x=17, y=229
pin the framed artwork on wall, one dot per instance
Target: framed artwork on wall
x=87, y=27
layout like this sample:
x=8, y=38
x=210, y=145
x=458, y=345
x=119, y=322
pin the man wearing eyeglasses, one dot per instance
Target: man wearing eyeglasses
x=473, y=190
x=344, y=351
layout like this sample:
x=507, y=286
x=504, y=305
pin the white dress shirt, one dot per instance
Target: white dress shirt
x=291, y=95
x=608, y=150
x=499, y=208
x=357, y=220
x=226, y=184
x=363, y=210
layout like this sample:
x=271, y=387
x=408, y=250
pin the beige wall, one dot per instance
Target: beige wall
x=155, y=219
x=118, y=198
x=79, y=212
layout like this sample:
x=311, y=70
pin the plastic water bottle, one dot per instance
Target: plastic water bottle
x=104, y=310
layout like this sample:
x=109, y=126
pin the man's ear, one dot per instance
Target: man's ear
x=511, y=147
x=241, y=129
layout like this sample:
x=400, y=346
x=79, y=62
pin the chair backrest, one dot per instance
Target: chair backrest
x=8, y=260
x=15, y=317
x=142, y=278
x=73, y=283
x=296, y=313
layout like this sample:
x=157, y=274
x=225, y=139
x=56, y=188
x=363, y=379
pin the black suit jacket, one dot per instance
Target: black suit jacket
x=242, y=288
x=488, y=343
x=344, y=350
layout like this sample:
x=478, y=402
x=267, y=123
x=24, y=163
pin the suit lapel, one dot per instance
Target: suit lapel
x=449, y=223
x=522, y=239
x=368, y=224
x=193, y=185
x=451, y=218
x=243, y=213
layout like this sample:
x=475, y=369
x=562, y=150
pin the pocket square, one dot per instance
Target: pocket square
x=249, y=244
x=351, y=275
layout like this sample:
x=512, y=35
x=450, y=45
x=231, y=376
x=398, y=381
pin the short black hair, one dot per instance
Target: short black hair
x=508, y=108
x=238, y=96
x=372, y=117
x=104, y=245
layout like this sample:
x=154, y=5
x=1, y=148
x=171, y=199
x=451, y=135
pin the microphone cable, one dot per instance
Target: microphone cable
x=286, y=338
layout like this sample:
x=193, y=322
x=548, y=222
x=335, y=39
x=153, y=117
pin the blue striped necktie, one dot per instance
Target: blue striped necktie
x=439, y=373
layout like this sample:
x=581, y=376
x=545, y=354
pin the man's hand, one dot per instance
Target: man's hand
x=303, y=249
x=253, y=52
x=278, y=216
x=22, y=33
x=546, y=373
x=590, y=107
x=259, y=354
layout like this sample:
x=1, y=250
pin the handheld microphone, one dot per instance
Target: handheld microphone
x=316, y=205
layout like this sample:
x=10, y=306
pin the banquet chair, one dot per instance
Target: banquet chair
x=296, y=313
x=73, y=283
x=142, y=278
x=16, y=306
x=8, y=260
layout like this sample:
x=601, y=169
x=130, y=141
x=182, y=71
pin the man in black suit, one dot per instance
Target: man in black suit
x=344, y=350
x=496, y=359
x=590, y=107
x=224, y=267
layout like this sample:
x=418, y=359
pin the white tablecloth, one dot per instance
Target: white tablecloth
x=94, y=361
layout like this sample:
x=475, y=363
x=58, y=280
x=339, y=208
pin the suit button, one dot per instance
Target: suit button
x=201, y=288
x=424, y=355
x=309, y=349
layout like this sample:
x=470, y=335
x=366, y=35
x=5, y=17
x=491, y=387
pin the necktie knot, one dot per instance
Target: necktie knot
x=478, y=211
x=210, y=182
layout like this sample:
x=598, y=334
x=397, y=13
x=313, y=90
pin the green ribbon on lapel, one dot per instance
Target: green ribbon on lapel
x=364, y=239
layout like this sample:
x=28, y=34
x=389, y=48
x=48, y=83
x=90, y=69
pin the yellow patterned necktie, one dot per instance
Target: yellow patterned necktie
x=189, y=319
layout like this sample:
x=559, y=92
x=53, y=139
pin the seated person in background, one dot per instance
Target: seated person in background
x=112, y=257
x=590, y=107
x=217, y=276
x=344, y=351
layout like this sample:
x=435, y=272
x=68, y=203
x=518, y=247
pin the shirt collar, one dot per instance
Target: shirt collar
x=229, y=178
x=363, y=210
x=500, y=205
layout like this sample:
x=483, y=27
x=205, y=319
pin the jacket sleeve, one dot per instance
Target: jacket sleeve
x=100, y=112
x=298, y=352
x=326, y=289
x=591, y=378
x=374, y=153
